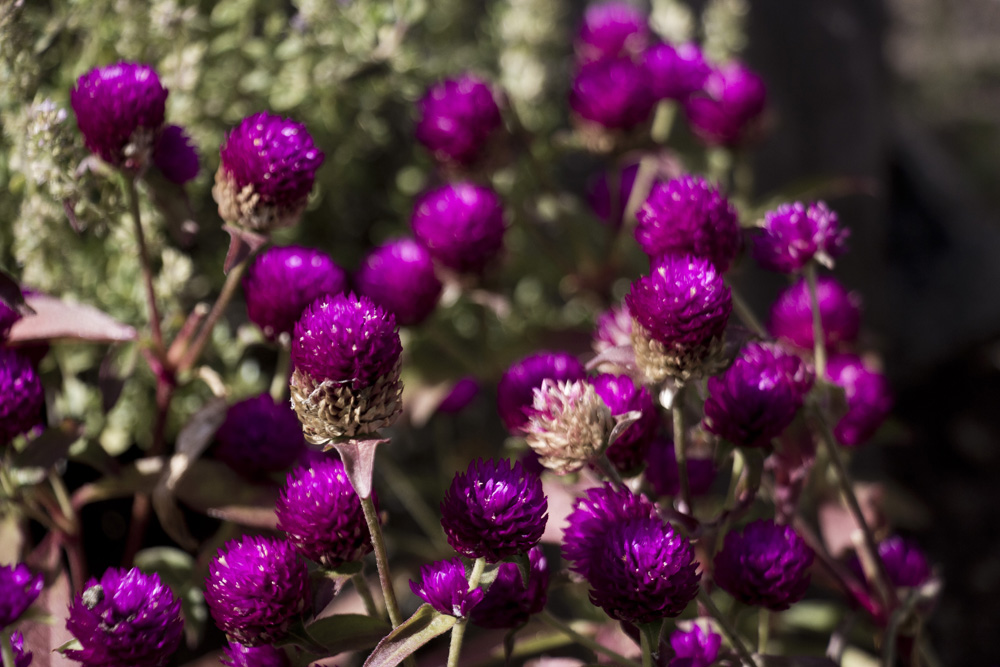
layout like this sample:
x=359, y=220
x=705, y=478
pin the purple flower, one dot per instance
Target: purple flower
x=661, y=472
x=613, y=94
x=461, y=224
x=611, y=30
x=676, y=72
x=904, y=561
x=771, y=355
x=175, y=156
x=128, y=619
x=643, y=571
x=764, y=565
x=463, y=393
x=593, y=516
x=793, y=235
x=613, y=329
x=457, y=116
x=238, y=655
x=18, y=590
x=791, y=314
x=507, y=604
x=629, y=451
x=259, y=436
x=722, y=111
x=22, y=658
x=695, y=647
x=569, y=426
x=516, y=387
x=119, y=109
x=8, y=317
x=399, y=276
x=21, y=395
x=689, y=216
x=869, y=398
x=321, y=514
x=256, y=588
x=443, y=585
x=599, y=195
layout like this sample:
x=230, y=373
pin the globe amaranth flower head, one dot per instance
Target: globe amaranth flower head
x=515, y=391
x=794, y=235
x=661, y=471
x=611, y=30
x=460, y=224
x=127, y=619
x=629, y=450
x=175, y=156
x=643, y=571
x=772, y=355
x=21, y=395
x=507, y=603
x=457, y=117
x=676, y=73
x=764, y=565
x=119, y=109
x=18, y=590
x=569, y=426
x=256, y=588
x=444, y=586
x=259, y=436
x=266, y=171
x=840, y=313
x=22, y=658
x=399, y=276
x=238, y=655
x=594, y=513
x=724, y=110
x=679, y=314
x=346, y=352
x=494, y=510
x=688, y=215
x=696, y=647
x=321, y=514
x=613, y=94
x=869, y=398
x=905, y=563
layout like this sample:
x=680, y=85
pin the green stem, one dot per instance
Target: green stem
x=279, y=381
x=5, y=648
x=763, y=626
x=730, y=502
x=147, y=272
x=727, y=629
x=819, y=344
x=361, y=586
x=746, y=314
x=382, y=561
x=554, y=622
x=647, y=640
x=228, y=290
x=458, y=630
x=609, y=470
x=477, y=573
x=680, y=450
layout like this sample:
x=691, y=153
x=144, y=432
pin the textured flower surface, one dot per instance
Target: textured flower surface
x=22, y=658
x=613, y=94
x=399, y=276
x=695, y=647
x=18, y=590
x=661, y=472
x=259, y=436
x=611, y=30
x=569, y=425
x=238, y=655
x=613, y=329
x=460, y=224
x=869, y=398
x=689, y=216
x=629, y=451
x=507, y=603
x=175, y=156
x=321, y=514
x=764, y=565
x=256, y=588
x=840, y=312
x=771, y=355
x=127, y=619
x=283, y=281
x=905, y=563
x=494, y=510
x=457, y=117
x=444, y=586
x=21, y=395
x=676, y=72
x=593, y=515
x=515, y=391
x=722, y=112
x=794, y=234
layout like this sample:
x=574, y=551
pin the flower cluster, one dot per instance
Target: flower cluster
x=764, y=565
x=793, y=235
x=460, y=224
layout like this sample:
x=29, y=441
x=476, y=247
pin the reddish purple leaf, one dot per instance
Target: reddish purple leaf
x=55, y=319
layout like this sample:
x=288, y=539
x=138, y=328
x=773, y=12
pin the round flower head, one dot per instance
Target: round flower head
x=8, y=316
x=399, y=276
x=21, y=395
x=463, y=393
x=569, y=425
x=267, y=168
x=610, y=30
x=238, y=655
x=644, y=571
x=174, y=155
x=22, y=658
x=593, y=515
x=599, y=195
x=793, y=235
x=679, y=314
x=905, y=563
x=127, y=619
x=282, y=281
x=494, y=510
x=840, y=312
x=457, y=117
x=507, y=604
x=629, y=450
x=613, y=329
x=461, y=224
x=119, y=109
x=613, y=94
x=515, y=392
x=661, y=472
x=695, y=647
x=722, y=111
x=321, y=514
x=676, y=72
x=256, y=588
x=689, y=216
x=18, y=590
x=764, y=565
x=869, y=398
x=771, y=355
x=259, y=436
x=444, y=586
x=346, y=352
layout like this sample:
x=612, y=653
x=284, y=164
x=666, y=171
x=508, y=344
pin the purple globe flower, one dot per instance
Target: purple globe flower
x=282, y=281
x=570, y=425
x=644, y=571
x=613, y=94
x=256, y=588
x=8, y=317
x=127, y=619
x=444, y=586
x=793, y=235
x=238, y=655
x=840, y=312
x=695, y=647
x=461, y=224
x=629, y=451
x=259, y=436
x=661, y=472
x=399, y=276
x=771, y=355
x=22, y=658
x=507, y=604
x=18, y=590
x=599, y=195
x=904, y=561
x=516, y=387
x=494, y=510
x=679, y=314
x=764, y=565
x=722, y=112
x=346, y=352
x=869, y=398
x=21, y=395
x=463, y=393
x=321, y=514
x=457, y=117
x=175, y=156
x=119, y=109
x=689, y=216
x=613, y=329
x=592, y=517
x=611, y=30
x=267, y=168
x=676, y=73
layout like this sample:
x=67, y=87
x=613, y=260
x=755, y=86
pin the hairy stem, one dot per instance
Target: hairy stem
x=458, y=630
x=382, y=560
x=746, y=314
x=819, y=342
x=609, y=470
x=564, y=628
x=763, y=627
x=5, y=648
x=727, y=629
x=132, y=194
x=361, y=586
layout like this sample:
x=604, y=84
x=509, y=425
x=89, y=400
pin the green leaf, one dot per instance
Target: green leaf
x=347, y=632
x=425, y=624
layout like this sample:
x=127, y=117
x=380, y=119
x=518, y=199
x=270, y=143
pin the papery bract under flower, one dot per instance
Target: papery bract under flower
x=259, y=436
x=593, y=515
x=515, y=391
x=457, y=117
x=629, y=450
x=792, y=321
x=764, y=565
x=444, y=586
x=723, y=111
x=460, y=224
x=613, y=94
x=18, y=590
x=507, y=603
x=21, y=395
x=611, y=30
x=794, y=235
x=399, y=276
x=869, y=398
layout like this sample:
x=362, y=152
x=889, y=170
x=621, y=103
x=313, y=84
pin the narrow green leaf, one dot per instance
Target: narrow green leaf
x=347, y=632
x=425, y=624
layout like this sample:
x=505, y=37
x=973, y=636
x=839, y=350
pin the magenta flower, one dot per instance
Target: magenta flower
x=507, y=603
x=399, y=276
x=460, y=224
x=444, y=586
x=662, y=475
x=793, y=235
x=869, y=398
x=629, y=451
x=516, y=387
x=457, y=117
x=771, y=355
x=19, y=588
x=695, y=647
x=175, y=156
x=611, y=30
x=238, y=655
x=613, y=329
x=676, y=72
x=905, y=563
x=22, y=658
x=840, y=313
x=463, y=393
x=613, y=94
x=722, y=112
x=593, y=515
x=259, y=436
x=21, y=395
x=764, y=565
